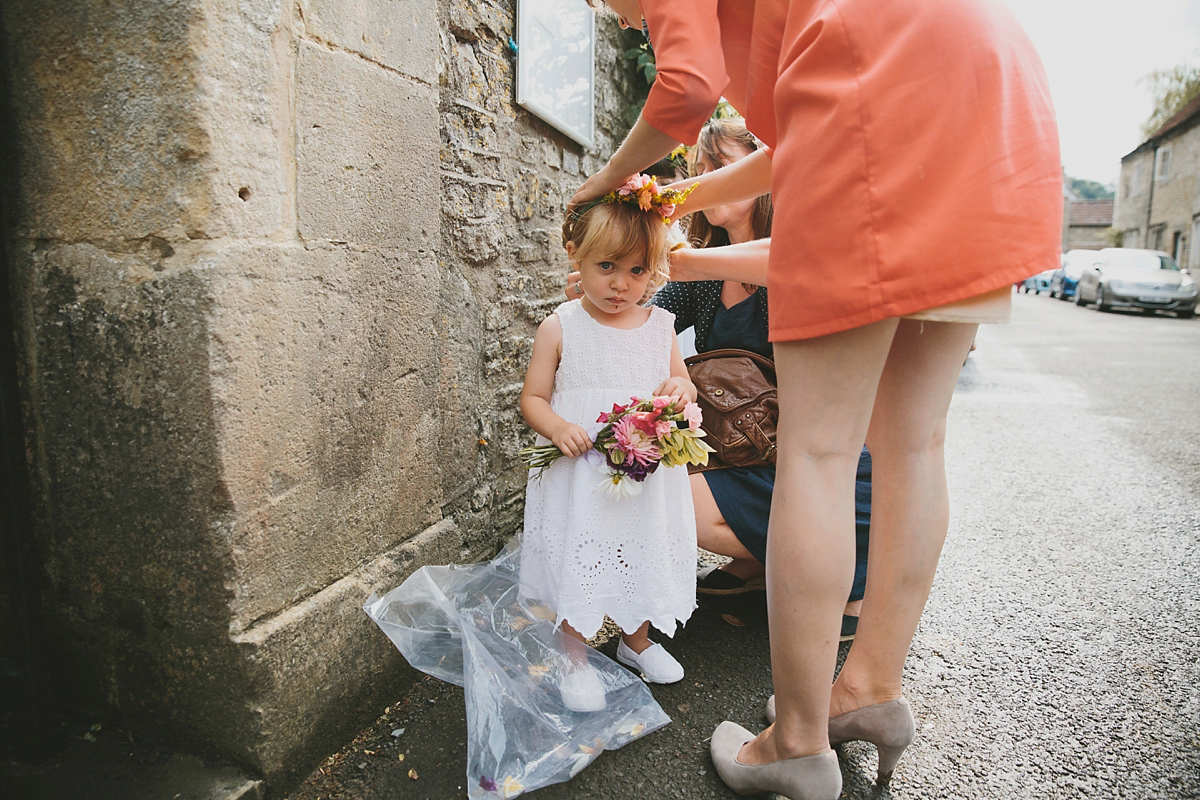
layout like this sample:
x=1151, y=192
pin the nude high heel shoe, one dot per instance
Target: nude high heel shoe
x=815, y=777
x=889, y=726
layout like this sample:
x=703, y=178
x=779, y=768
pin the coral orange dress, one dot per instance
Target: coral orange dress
x=915, y=149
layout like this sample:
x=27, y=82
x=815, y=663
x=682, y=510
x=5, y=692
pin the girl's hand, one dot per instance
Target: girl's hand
x=572, y=440
x=678, y=389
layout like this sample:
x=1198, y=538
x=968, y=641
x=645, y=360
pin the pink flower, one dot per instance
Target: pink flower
x=635, y=441
x=645, y=421
x=661, y=402
x=666, y=209
x=635, y=183
x=691, y=413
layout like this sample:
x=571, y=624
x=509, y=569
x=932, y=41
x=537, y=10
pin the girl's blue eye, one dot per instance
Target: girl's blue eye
x=638, y=270
x=606, y=265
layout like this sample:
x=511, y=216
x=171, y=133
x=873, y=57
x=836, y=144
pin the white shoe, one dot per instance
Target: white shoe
x=654, y=663
x=582, y=691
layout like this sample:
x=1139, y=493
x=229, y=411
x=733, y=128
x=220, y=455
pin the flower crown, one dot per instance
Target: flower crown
x=644, y=192
x=679, y=157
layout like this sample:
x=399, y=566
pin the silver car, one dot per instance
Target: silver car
x=1150, y=280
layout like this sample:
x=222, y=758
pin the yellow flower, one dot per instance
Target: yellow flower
x=511, y=787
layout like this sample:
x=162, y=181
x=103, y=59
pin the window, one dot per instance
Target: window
x=1177, y=246
x=1133, y=237
x=1156, y=237
x=1194, y=255
x=1163, y=171
x=1137, y=178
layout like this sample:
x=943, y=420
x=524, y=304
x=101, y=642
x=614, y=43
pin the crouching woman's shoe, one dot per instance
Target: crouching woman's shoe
x=815, y=777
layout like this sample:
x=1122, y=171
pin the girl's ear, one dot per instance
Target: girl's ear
x=571, y=250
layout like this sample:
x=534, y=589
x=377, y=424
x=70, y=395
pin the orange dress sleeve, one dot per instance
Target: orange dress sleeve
x=688, y=53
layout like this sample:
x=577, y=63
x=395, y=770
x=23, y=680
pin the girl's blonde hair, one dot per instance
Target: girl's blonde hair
x=616, y=230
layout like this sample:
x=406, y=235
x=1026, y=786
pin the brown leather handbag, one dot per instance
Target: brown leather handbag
x=737, y=395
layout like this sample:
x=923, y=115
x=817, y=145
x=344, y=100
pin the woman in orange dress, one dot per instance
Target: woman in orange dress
x=913, y=159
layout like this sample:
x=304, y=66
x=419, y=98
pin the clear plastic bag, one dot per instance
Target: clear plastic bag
x=468, y=625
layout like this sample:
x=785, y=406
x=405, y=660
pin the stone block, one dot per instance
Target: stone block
x=366, y=153
x=112, y=141
x=133, y=126
x=322, y=666
x=324, y=379
x=129, y=503
x=399, y=34
x=244, y=87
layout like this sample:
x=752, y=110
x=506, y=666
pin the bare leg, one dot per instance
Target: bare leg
x=714, y=534
x=639, y=640
x=576, y=645
x=910, y=507
x=826, y=391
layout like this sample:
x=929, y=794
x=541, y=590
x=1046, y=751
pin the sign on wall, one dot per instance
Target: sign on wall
x=556, y=45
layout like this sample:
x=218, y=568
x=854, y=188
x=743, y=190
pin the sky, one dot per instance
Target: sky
x=1095, y=51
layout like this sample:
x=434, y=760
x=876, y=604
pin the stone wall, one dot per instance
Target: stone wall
x=277, y=267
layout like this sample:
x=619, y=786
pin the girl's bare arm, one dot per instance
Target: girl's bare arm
x=679, y=386
x=568, y=437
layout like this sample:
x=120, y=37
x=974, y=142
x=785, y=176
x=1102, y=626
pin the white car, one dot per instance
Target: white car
x=1150, y=280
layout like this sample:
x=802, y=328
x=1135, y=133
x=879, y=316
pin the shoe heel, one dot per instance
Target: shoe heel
x=889, y=726
x=888, y=756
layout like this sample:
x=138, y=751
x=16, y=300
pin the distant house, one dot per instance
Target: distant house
x=1088, y=224
x=1157, y=204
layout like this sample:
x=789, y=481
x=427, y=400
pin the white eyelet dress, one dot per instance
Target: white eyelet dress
x=586, y=554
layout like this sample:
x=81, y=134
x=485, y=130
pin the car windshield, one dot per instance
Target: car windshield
x=1077, y=262
x=1140, y=259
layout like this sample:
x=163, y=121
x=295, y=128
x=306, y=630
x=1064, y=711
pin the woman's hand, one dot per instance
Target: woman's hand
x=571, y=439
x=682, y=265
x=574, y=289
x=598, y=185
x=642, y=147
x=678, y=389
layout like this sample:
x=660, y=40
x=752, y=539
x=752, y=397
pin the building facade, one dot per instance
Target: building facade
x=1089, y=224
x=1157, y=204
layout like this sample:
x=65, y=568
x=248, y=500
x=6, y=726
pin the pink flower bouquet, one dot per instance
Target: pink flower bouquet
x=636, y=439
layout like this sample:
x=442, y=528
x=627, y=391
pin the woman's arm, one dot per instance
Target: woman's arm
x=571, y=439
x=644, y=145
x=744, y=179
x=745, y=262
x=691, y=77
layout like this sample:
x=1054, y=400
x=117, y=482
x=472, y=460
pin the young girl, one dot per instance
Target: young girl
x=586, y=553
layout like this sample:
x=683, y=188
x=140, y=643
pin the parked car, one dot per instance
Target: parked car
x=1063, y=280
x=1038, y=283
x=1124, y=277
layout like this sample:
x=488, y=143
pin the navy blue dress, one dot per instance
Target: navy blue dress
x=743, y=494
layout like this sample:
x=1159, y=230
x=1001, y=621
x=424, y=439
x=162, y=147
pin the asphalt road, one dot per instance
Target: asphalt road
x=1058, y=656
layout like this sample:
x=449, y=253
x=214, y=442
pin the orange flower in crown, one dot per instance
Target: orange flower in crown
x=641, y=188
x=645, y=192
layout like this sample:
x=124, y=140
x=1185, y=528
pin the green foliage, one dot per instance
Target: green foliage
x=1088, y=190
x=1171, y=89
x=643, y=58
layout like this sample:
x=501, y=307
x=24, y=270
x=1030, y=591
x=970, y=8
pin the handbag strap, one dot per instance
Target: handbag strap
x=764, y=363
